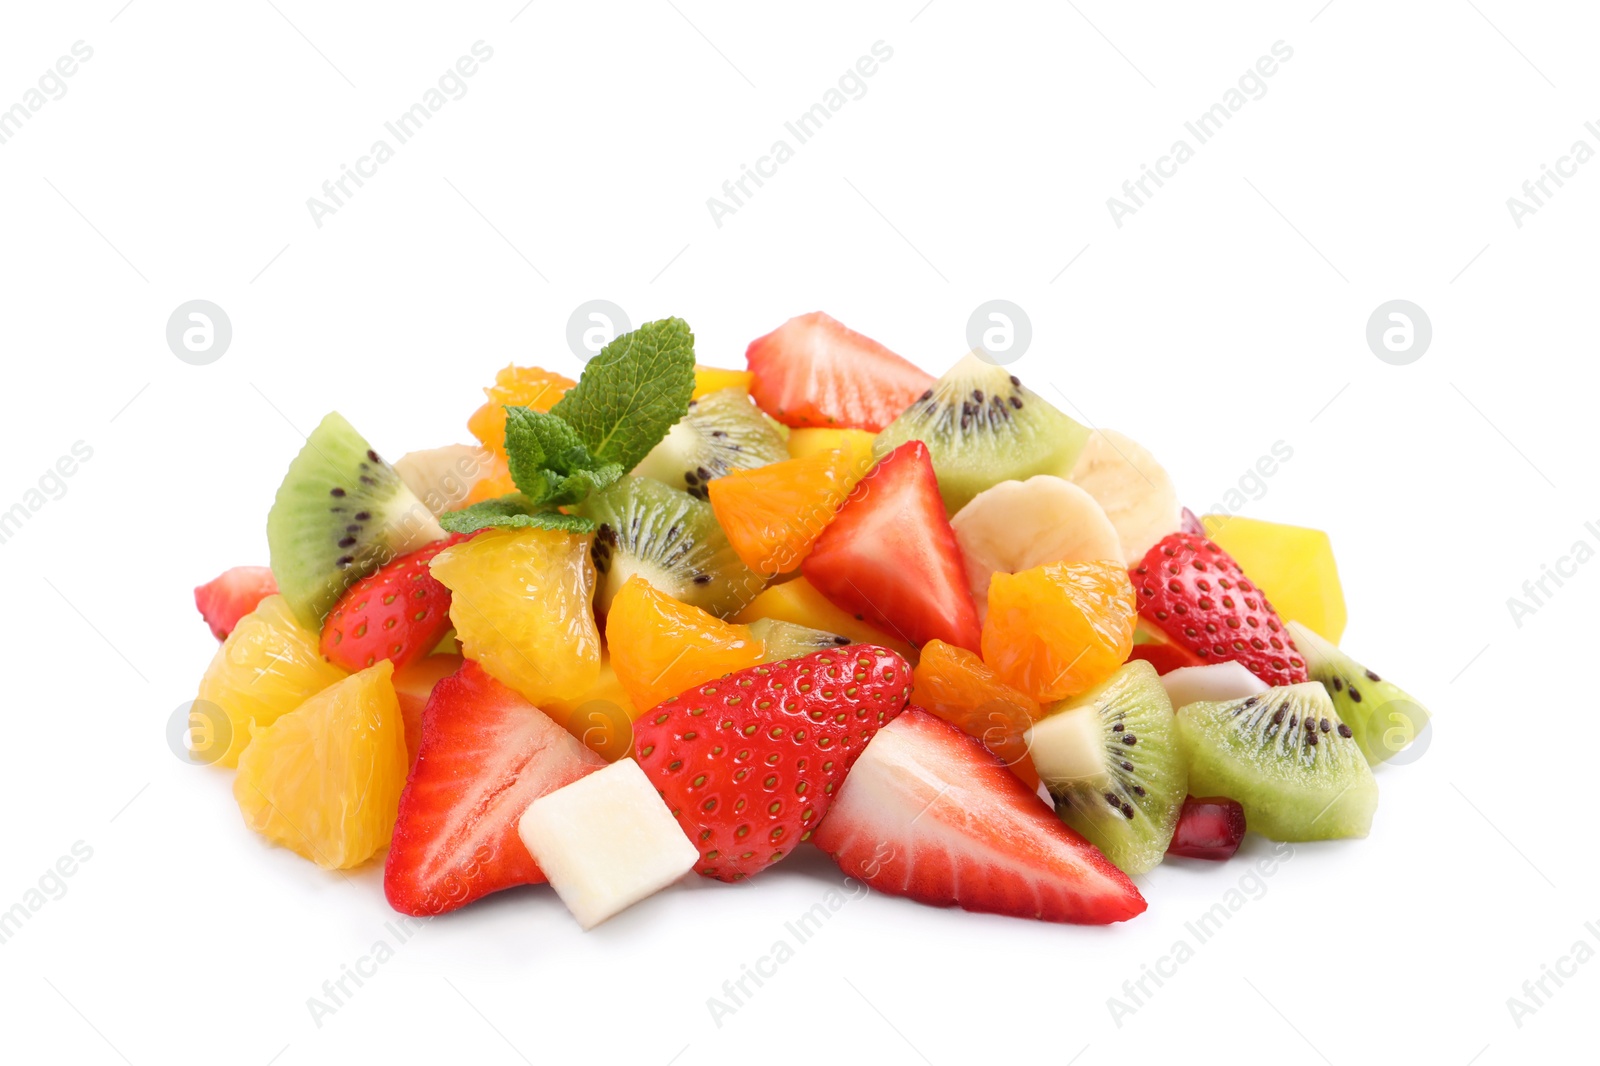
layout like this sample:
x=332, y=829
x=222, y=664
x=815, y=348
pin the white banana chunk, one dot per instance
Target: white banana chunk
x=443, y=477
x=1132, y=489
x=1018, y=525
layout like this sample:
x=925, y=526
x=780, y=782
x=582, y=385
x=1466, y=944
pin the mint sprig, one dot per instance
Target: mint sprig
x=549, y=462
x=513, y=512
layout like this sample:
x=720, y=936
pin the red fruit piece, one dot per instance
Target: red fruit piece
x=486, y=754
x=230, y=596
x=815, y=371
x=930, y=813
x=749, y=764
x=890, y=558
x=399, y=613
x=1208, y=829
x=1165, y=657
x=413, y=687
x=1195, y=593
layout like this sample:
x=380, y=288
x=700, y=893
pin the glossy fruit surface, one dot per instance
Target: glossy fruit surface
x=1293, y=566
x=956, y=685
x=1057, y=630
x=660, y=647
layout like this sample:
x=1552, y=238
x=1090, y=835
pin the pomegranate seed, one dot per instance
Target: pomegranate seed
x=1208, y=829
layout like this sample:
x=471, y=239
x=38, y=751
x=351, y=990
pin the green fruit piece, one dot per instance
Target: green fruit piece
x=1287, y=758
x=785, y=640
x=723, y=431
x=1384, y=719
x=1112, y=761
x=982, y=427
x=340, y=514
x=670, y=539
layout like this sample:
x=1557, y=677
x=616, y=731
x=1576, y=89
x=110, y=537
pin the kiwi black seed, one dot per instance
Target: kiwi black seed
x=723, y=431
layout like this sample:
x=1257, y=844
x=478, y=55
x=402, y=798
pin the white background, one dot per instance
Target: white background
x=1227, y=314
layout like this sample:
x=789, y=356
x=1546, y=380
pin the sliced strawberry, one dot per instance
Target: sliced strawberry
x=1165, y=657
x=890, y=558
x=230, y=596
x=930, y=813
x=749, y=764
x=1195, y=593
x=815, y=371
x=487, y=753
x=399, y=613
x=413, y=685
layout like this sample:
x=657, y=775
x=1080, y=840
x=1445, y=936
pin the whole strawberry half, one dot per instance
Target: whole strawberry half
x=399, y=613
x=1198, y=596
x=749, y=763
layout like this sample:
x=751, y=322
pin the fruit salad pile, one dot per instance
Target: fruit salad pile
x=671, y=619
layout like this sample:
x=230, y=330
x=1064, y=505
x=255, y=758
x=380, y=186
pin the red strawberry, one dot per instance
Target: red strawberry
x=930, y=813
x=749, y=763
x=399, y=613
x=815, y=371
x=1195, y=593
x=1165, y=657
x=235, y=593
x=487, y=753
x=1208, y=829
x=413, y=686
x=890, y=557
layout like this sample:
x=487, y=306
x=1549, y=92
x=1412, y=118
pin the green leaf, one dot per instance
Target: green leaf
x=512, y=512
x=549, y=462
x=630, y=394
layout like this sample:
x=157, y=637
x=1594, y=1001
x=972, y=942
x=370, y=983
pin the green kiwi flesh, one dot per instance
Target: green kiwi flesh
x=1287, y=758
x=340, y=514
x=1384, y=719
x=982, y=426
x=724, y=430
x=1113, y=763
x=786, y=640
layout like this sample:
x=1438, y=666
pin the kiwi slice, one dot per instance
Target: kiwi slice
x=1114, y=766
x=724, y=430
x=340, y=514
x=982, y=426
x=1287, y=757
x=670, y=539
x=785, y=640
x=1384, y=719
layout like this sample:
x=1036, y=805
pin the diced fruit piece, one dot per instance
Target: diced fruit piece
x=1292, y=565
x=804, y=442
x=268, y=666
x=520, y=602
x=774, y=514
x=606, y=841
x=709, y=379
x=443, y=478
x=495, y=483
x=1057, y=630
x=815, y=371
x=340, y=514
x=399, y=613
x=982, y=427
x=1287, y=758
x=1112, y=760
x=413, y=686
x=954, y=684
x=1165, y=657
x=324, y=780
x=487, y=753
x=602, y=716
x=1210, y=828
x=723, y=431
x=660, y=647
x=890, y=557
x=785, y=640
x=799, y=602
x=230, y=596
x=1132, y=488
x=1217, y=681
x=930, y=813
x=1018, y=525
x=670, y=539
x=749, y=763
x=1196, y=594
x=514, y=386
x=1384, y=719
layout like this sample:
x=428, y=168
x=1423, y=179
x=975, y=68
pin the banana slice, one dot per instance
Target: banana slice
x=443, y=477
x=1018, y=525
x=1132, y=489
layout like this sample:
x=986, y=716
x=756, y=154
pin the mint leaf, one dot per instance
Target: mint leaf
x=630, y=394
x=549, y=462
x=512, y=512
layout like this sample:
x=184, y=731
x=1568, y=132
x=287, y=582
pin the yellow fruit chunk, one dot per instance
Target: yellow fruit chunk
x=324, y=780
x=1058, y=630
x=515, y=386
x=709, y=379
x=661, y=647
x=1292, y=565
x=799, y=602
x=269, y=665
x=774, y=513
x=522, y=604
x=804, y=442
x=601, y=716
x=954, y=684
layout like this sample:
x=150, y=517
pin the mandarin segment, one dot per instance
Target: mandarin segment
x=661, y=647
x=774, y=513
x=956, y=685
x=1057, y=630
x=516, y=386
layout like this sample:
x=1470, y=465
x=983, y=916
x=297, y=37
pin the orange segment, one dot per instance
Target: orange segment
x=774, y=513
x=661, y=647
x=1057, y=630
x=324, y=780
x=516, y=386
x=601, y=716
x=495, y=482
x=954, y=684
x=708, y=379
x=799, y=602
